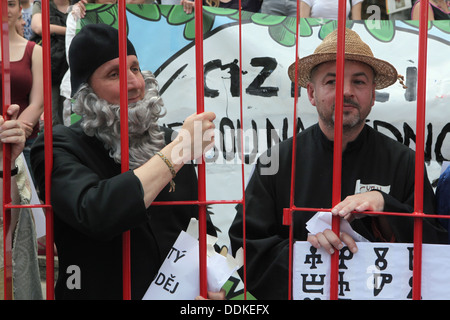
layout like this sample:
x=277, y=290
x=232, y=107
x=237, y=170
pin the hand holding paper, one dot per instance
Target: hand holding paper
x=322, y=236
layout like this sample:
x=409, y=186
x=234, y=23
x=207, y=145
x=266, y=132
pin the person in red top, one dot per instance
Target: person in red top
x=26, y=77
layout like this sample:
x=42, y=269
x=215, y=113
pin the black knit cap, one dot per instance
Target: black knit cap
x=94, y=45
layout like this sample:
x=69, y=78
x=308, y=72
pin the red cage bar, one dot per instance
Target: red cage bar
x=420, y=145
x=124, y=143
x=200, y=94
x=241, y=137
x=48, y=137
x=7, y=234
x=337, y=160
x=418, y=214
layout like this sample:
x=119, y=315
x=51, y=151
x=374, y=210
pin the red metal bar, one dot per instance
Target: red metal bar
x=7, y=232
x=294, y=149
x=124, y=143
x=194, y=202
x=201, y=165
x=402, y=214
x=244, y=247
x=44, y=206
x=420, y=142
x=48, y=140
x=337, y=159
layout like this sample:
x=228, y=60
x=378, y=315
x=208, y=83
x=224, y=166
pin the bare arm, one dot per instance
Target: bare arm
x=36, y=26
x=30, y=116
x=356, y=11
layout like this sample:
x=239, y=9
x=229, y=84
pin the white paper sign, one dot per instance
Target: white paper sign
x=178, y=277
x=376, y=271
x=172, y=281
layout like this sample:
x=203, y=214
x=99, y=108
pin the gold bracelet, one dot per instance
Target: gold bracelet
x=172, y=170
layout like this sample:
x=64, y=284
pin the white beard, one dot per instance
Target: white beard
x=102, y=120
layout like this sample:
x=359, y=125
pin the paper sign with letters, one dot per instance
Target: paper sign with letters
x=179, y=279
x=376, y=271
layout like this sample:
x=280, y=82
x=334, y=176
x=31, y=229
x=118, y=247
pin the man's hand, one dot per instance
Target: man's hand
x=331, y=242
x=79, y=9
x=195, y=137
x=368, y=201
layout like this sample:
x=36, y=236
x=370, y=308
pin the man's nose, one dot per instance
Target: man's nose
x=133, y=81
x=348, y=88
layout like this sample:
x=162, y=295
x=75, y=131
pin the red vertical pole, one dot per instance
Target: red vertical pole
x=420, y=142
x=124, y=143
x=201, y=165
x=337, y=159
x=48, y=140
x=294, y=149
x=7, y=232
x=244, y=247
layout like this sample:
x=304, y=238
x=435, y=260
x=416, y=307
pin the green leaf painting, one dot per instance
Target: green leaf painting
x=282, y=30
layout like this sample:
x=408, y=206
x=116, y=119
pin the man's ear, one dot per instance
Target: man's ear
x=310, y=90
x=373, y=95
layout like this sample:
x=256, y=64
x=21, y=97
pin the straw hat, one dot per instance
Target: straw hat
x=355, y=49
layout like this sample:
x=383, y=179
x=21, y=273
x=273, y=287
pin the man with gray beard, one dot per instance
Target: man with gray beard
x=93, y=201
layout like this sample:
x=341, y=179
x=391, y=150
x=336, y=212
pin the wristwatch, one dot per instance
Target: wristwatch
x=13, y=172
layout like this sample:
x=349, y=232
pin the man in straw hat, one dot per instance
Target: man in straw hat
x=94, y=202
x=377, y=172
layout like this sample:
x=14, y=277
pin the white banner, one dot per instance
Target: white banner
x=380, y=271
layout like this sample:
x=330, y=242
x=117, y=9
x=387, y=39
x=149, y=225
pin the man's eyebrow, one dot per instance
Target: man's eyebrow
x=357, y=74
x=329, y=74
x=361, y=73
